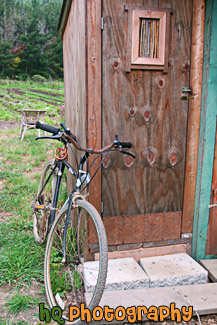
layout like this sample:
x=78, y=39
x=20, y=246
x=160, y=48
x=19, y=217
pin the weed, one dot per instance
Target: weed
x=19, y=303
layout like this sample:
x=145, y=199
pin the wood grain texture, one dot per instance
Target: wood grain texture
x=134, y=230
x=94, y=93
x=74, y=56
x=147, y=252
x=141, y=229
x=194, y=113
x=172, y=225
x=154, y=227
x=145, y=107
x=114, y=228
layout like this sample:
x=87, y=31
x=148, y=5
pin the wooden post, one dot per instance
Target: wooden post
x=194, y=114
x=207, y=135
x=94, y=92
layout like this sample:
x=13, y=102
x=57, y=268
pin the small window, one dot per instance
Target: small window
x=148, y=39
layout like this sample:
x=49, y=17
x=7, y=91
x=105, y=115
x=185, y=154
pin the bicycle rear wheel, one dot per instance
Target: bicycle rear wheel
x=73, y=280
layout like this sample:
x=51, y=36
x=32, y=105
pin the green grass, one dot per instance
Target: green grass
x=19, y=303
x=21, y=164
x=21, y=257
x=12, y=102
x=19, y=159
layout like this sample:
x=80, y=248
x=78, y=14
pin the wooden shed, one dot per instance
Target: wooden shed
x=135, y=68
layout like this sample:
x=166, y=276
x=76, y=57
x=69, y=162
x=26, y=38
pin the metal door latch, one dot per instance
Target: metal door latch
x=186, y=92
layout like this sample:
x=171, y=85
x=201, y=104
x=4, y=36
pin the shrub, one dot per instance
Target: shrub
x=38, y=78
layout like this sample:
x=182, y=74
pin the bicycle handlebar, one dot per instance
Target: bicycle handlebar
x=126, y=144
x=68, y=136
x=47, y=128
x=72, y=140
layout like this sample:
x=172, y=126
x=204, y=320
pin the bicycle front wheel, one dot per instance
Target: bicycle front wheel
x=45, y=198
x=74, y=279
x=41, y=216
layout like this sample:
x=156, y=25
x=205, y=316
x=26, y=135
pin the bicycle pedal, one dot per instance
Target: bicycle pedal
x=39, y=207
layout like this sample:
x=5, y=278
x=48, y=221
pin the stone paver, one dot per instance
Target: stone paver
x=203, y=298
x=123, y=273
x=211, y=267
x=173, y=270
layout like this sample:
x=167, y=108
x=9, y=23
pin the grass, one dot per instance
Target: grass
x=19, y=303
x=21, y=165
x=17, y=95
x=21, y=258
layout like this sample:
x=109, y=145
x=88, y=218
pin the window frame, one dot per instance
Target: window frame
x=133, y=61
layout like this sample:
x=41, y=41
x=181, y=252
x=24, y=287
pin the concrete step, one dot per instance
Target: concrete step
x=158, y=271
x=203, y=298
x=123, y=273
x=173, y=270
x=211, y=267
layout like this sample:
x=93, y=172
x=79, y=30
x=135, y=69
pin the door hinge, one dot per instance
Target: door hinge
x=102, y=23
x=102, y=208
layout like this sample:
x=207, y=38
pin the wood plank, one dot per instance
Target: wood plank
x=94, y=93
x=94, y=248
x=114, y=230
x=131, y=230
x=207, y=135
x=74, y=57
x=147, y=252
x=134, y=230
x=154, y=227
x=172, y=225
x=211, y=245
x=196, y=75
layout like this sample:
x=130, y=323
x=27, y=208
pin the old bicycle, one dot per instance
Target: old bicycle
x=70, y=279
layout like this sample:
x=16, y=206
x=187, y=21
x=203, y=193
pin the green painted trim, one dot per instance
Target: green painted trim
x=207, y=134
x=209, y=257
x=64, y=16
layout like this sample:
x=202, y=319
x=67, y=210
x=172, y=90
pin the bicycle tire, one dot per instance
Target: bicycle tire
x=40, y=222
x=66, y=283
x=41, y=217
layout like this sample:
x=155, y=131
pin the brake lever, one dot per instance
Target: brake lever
x=55, y=137
x=127, y=153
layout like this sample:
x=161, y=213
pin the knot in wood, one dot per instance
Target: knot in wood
x=128, y=161
x=147, y=115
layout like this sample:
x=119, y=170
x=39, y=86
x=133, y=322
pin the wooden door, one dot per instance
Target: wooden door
x=142, y=199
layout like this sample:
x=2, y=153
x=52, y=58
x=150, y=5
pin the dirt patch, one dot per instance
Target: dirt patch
x=29, y=316
x=45, y=92
x=1, y=184
x=4, y=216
x=8, y=125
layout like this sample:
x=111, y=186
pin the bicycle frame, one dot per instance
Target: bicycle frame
x=60, y=166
